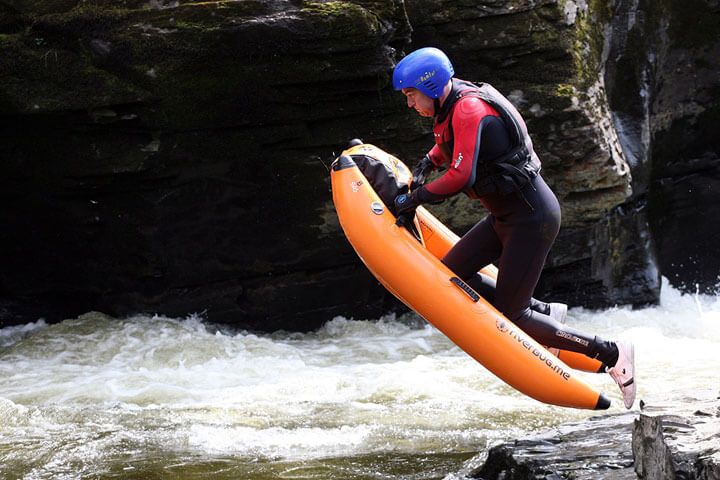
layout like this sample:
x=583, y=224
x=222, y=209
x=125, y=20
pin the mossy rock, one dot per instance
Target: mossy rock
x=42, y=75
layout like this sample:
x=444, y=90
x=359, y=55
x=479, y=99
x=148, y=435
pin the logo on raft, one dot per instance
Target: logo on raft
x=377, y=208
x=502, y=325
x=546, y=358
x=356, y=185
x=429, y=229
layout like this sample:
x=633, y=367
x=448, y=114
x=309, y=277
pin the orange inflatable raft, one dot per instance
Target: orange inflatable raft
x=410, y=268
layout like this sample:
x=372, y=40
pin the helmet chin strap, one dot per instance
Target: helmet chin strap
x=436, y=101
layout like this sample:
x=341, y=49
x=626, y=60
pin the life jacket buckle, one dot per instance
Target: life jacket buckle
x=531, y=170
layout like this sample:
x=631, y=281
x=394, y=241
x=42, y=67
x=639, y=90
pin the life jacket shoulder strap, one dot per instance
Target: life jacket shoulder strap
x=496, y=100
x=516, y=166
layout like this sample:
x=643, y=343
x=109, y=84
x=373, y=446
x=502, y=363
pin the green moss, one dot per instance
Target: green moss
x=330, y=8
x=589, y=41
x=564, y=90
x=337, y=9
x=342, y=18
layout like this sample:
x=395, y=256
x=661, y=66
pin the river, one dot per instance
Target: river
x=150, y=397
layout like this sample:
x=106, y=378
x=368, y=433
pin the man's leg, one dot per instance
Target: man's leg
x=479, y=247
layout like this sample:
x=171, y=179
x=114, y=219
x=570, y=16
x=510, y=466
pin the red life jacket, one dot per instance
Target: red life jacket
x=502, y=174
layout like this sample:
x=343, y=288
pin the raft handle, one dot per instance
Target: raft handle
x=466, y=288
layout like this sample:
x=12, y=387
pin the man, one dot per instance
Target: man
x=483, y=141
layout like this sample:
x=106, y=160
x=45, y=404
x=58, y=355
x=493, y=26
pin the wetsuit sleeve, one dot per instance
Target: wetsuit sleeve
x=435, y=156
x=466, y=121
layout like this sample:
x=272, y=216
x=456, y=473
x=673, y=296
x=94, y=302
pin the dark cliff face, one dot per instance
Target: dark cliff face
x=168, y=156
x=662, y=72
x=171, y=156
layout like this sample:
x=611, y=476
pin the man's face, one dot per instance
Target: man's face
x=424, y=105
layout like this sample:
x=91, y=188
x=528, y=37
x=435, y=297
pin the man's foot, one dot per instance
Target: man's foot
x=558, y=311
x=623, y=372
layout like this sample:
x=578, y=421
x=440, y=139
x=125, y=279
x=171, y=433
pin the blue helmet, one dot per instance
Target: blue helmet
x=427, y=69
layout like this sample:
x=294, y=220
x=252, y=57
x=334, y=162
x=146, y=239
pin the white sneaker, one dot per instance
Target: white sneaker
x=558, y=311
x=624, y=372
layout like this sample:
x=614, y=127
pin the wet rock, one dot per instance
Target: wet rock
x=596, y=448
x=679, y=441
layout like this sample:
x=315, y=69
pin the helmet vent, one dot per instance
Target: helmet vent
x=430, y=85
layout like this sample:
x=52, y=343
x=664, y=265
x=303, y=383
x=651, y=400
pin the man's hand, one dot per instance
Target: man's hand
x=405, y=203
x=421, y=171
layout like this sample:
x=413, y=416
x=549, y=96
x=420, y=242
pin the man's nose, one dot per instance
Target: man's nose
x=410, y=102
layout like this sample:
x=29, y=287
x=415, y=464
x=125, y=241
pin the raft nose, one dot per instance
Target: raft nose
x=602, y=403
x=342, y=162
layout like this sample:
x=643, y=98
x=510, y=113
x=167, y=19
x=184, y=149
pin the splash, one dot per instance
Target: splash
x=97, y=394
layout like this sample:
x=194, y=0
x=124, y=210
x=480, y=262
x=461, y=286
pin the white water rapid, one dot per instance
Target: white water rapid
x=153, y=397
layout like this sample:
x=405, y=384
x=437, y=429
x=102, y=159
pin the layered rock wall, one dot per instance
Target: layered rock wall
x=171, y=156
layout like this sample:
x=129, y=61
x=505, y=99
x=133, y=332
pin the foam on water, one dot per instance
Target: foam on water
x=10, y=335
x=87, y=393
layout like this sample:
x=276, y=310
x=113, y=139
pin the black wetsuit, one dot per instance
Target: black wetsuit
x=522, y=225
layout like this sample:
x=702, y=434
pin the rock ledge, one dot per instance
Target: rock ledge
x=679, y=441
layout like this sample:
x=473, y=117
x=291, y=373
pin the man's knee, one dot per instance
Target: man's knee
x=517, y=314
